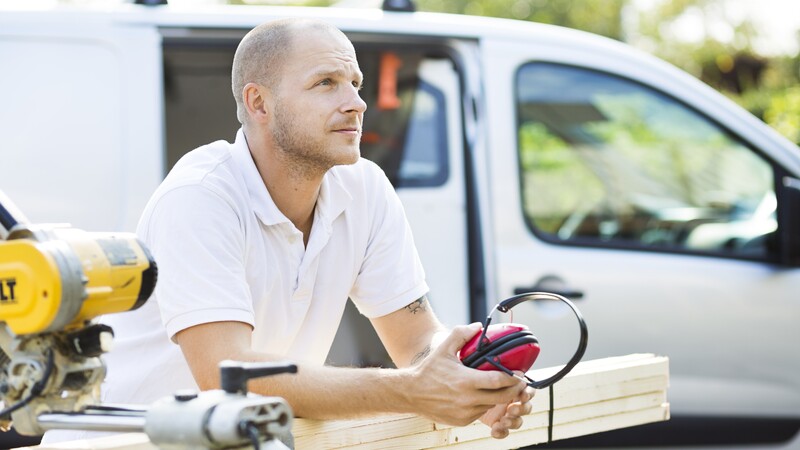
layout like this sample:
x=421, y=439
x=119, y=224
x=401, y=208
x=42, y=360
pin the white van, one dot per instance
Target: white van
x=528, y=157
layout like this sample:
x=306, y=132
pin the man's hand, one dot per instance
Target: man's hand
x=448, y=392
x=505, y=417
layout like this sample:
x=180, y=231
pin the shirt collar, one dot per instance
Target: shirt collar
x=260, y=200
x=333, y=198
x=332, y=201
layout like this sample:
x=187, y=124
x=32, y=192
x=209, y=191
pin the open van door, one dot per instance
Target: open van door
x=659, y=208
x=412, y=129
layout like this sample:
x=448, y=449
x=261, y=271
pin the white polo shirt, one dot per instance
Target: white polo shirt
x=226, y=253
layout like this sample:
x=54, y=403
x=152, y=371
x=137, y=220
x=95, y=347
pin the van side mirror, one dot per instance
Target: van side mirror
x=789, y=220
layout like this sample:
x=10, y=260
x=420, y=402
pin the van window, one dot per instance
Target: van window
x=609, y=162
x=405, y=126
x=424, y=161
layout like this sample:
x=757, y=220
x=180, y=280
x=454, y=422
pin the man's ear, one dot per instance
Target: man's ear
x=256, y=99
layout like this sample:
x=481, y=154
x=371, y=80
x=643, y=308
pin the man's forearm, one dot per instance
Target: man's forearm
x=432, y=343
x=319, y=392
x=410, y=333
x=315, y=391
x=438, y=387
x=324, y=392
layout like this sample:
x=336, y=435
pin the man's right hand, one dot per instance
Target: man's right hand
x=445, y=391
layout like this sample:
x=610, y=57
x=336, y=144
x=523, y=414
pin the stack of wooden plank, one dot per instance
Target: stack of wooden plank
x=596, y=396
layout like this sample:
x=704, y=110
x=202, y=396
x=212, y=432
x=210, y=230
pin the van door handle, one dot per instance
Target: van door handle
x=554, y=284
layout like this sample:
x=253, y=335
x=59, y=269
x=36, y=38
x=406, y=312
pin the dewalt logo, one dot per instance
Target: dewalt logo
x=7, y=286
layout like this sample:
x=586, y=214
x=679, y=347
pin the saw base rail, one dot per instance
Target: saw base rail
x=209, y=420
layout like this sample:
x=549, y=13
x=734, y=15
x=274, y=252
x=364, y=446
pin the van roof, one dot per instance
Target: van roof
x=353, y=20
x=369, y=21
x=350, y=20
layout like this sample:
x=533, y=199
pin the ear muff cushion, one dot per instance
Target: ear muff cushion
x=517, y=354
x=490, y=348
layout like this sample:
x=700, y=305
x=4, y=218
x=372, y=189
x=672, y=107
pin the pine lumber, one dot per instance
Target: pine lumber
x=605, y=400
x=533, y=436
x=581, y=419
x=596, y=396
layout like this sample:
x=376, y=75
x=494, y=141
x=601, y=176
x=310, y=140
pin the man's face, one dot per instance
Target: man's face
x=318, y=112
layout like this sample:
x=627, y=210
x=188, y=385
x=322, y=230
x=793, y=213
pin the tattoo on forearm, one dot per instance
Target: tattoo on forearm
x=421, y=355
x=418, y=305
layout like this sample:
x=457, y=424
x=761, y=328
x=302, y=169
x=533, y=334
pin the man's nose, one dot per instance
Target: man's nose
x=354, y=102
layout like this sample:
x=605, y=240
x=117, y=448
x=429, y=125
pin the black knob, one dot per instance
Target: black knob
x=184, y=395
x=235, y=375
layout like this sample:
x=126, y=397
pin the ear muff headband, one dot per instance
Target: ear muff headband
x=490, y=348
x=511, y=302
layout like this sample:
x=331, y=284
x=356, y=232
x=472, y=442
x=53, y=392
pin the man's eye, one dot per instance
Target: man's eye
x=358, y=85
x=325, y=82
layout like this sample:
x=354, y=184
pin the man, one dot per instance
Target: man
x=260, y=243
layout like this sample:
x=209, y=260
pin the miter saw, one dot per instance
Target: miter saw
x=54, y=281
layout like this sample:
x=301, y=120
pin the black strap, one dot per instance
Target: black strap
x=550, y=416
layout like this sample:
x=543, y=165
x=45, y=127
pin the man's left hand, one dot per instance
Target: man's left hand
x=505, y=417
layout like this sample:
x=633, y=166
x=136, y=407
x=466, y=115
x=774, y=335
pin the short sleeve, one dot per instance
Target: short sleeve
x=391, y=275
x=198, y=242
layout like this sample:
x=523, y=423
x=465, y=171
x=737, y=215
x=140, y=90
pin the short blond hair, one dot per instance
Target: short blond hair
x=262, y=52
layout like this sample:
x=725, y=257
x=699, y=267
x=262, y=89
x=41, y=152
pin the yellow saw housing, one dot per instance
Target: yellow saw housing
x=58, y=278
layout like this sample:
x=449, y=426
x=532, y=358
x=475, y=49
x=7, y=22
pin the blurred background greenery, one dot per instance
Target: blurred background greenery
x=763, y=80
x=736, y=61
x=719, y=41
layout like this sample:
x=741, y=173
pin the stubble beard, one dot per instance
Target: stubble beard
x=305, y=156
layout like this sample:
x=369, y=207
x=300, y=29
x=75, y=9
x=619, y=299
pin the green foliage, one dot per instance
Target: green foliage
x=783, y=112
x=556, y=176
x=539, y=148
x=602, y=17
x=767, y=87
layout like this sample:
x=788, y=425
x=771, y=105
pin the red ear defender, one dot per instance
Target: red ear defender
x=512, y=347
